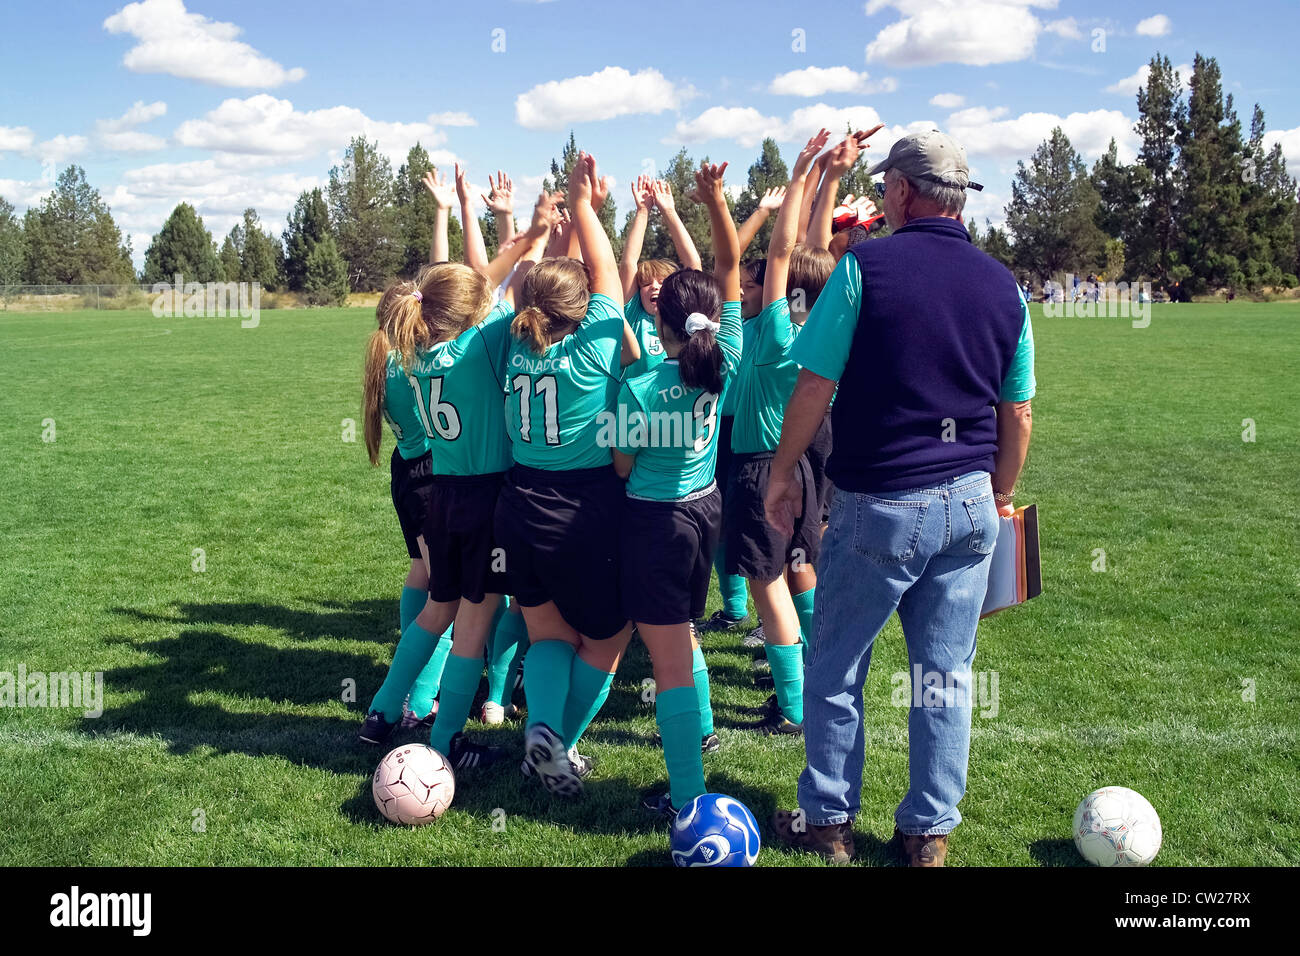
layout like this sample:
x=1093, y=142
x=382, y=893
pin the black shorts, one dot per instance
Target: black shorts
x=667, y=556
x=463, y=560
x=817, y=453
x=560, y=534
x=754, y=549
x=410, y=488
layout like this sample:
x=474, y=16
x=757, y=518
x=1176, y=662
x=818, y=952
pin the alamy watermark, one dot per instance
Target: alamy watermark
x=80, y=691
x=208, y=300
x=1098, y=300
x=922, y=688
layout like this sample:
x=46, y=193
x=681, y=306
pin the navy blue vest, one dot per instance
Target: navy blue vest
x=937, y=330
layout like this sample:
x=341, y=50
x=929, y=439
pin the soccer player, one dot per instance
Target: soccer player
x=642, y=281
x=794, y=276
x=558, y=515
x=457, y=377
x=666, y=441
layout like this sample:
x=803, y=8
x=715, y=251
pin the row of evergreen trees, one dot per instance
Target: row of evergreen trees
x=1202, y=208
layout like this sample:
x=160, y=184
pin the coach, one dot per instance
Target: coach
x=929, y=341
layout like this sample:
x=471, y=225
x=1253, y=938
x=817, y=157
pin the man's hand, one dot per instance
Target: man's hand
x=784, y=501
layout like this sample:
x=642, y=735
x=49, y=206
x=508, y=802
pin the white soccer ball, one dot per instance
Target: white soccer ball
x=1116, y=826
x=413, y=785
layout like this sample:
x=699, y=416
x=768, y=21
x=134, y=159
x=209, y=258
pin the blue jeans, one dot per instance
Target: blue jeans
x=925, y=553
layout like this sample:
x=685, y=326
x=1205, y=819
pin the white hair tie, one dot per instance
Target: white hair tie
x=698, y=321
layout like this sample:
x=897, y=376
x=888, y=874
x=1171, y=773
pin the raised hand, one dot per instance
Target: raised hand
x=581, y=181
x=547, y=214
x=501, y=195
x=599, y=192
x=662, y=195
x=708, y=184
x=444, y=193
x=642, y=197
x=842, y=157
x=462, y=185
x=772, y=199
x=803, y=162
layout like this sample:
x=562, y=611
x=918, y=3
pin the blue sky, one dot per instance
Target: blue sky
x=232, y=103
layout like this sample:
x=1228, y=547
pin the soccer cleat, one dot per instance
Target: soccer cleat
x=493, y=714
x=721, y=622
x=582, y=764
x=776, y=724
x=544, y=751
x=660, y=804
x=709, y=743
x=767, y=707
x=754, y=638
x=375, y=729
x=412, y=722
x=467, y=755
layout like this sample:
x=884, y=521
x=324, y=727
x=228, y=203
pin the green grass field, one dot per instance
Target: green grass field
x=223, y=688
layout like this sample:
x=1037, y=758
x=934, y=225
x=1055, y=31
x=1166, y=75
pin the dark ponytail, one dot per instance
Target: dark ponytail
x=684, y=292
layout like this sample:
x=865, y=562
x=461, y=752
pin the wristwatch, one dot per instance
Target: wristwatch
x=1004, y=499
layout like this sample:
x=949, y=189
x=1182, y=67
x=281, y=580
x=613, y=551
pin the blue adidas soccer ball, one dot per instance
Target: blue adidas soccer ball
x=714, y=830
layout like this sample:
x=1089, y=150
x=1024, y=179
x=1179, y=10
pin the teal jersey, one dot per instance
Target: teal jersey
x=460, y=390
x=729, y=400
x=643, y=325
x=671, y=429
x=400, y=413
x=554, y=400
x=767, y=377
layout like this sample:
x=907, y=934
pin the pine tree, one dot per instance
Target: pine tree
x=309, y=223
x=261, y=258
x=72, y=238
x=182, y=247
x=559, y=180
x=1268, y=197
x=229, y=258
x=1160, y=112
x=1052, y=213
x=11, y=245
x=416, y=211
x=1120, y=189
x=1212, y=166
x=680, y=175
x=325, y=278
x=361, y=193
x=767, y=172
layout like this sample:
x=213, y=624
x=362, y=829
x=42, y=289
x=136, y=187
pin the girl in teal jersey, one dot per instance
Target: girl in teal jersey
x=667, y=432
x=557, y=516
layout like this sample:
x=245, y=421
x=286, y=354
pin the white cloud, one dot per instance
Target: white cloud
x=818, y=81
x=17, y=139
x=60, y=148
x=986, y=132
x=120, y=134
x=948, y=101
x=452, y=119
x=974, y=32
x=1290, y=140
x=139, y=114
x=1129, y=85
x=265, y=125
x=748, y=127
x=24, y=193
x=1156, y=26
x=607, y=94
x=189, y=45
x=1067, y=28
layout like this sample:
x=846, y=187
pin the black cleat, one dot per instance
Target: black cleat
x=544, y=751
x=375, y=729
x=721, y=622
x=467, y=755
x=775, y=724
x=660, y=805
x=709, y=743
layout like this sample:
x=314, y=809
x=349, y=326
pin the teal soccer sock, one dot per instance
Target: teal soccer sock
x=732, y=587
x=677, y=712
x=700, y=673
x=459, y=682
x=412, y=653
x=787, y=675
x=803, y=606
x=546, y=682
x=588, y=688
x=502, y=655
x=411, y=604
x=425, y=688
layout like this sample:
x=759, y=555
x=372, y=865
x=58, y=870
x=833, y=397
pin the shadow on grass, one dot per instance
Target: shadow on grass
x=1055, y=853
x=372, y=620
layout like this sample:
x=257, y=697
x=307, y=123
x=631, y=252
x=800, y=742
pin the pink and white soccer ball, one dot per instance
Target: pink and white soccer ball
x=413, y=785
x=1116, y=826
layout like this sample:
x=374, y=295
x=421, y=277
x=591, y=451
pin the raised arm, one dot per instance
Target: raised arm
x=475, y=251
x=726, y=245
x=785, y=232
x=584, y=186
x=635, y=237
x=769, y=203
x=687, y=254
x=809, y=193
x=515, y=250
x=842, y=158
x=444, y=193
x=500, y=201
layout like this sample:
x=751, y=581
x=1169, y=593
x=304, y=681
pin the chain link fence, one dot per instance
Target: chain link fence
x=72, y=298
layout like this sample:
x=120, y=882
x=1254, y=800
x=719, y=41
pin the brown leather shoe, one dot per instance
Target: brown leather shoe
x=923, y=849
x=834, y=842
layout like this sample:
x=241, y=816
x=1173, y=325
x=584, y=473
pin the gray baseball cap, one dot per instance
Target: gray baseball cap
x=932, y=155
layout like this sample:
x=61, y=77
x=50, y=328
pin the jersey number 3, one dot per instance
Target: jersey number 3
x=548, y=388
